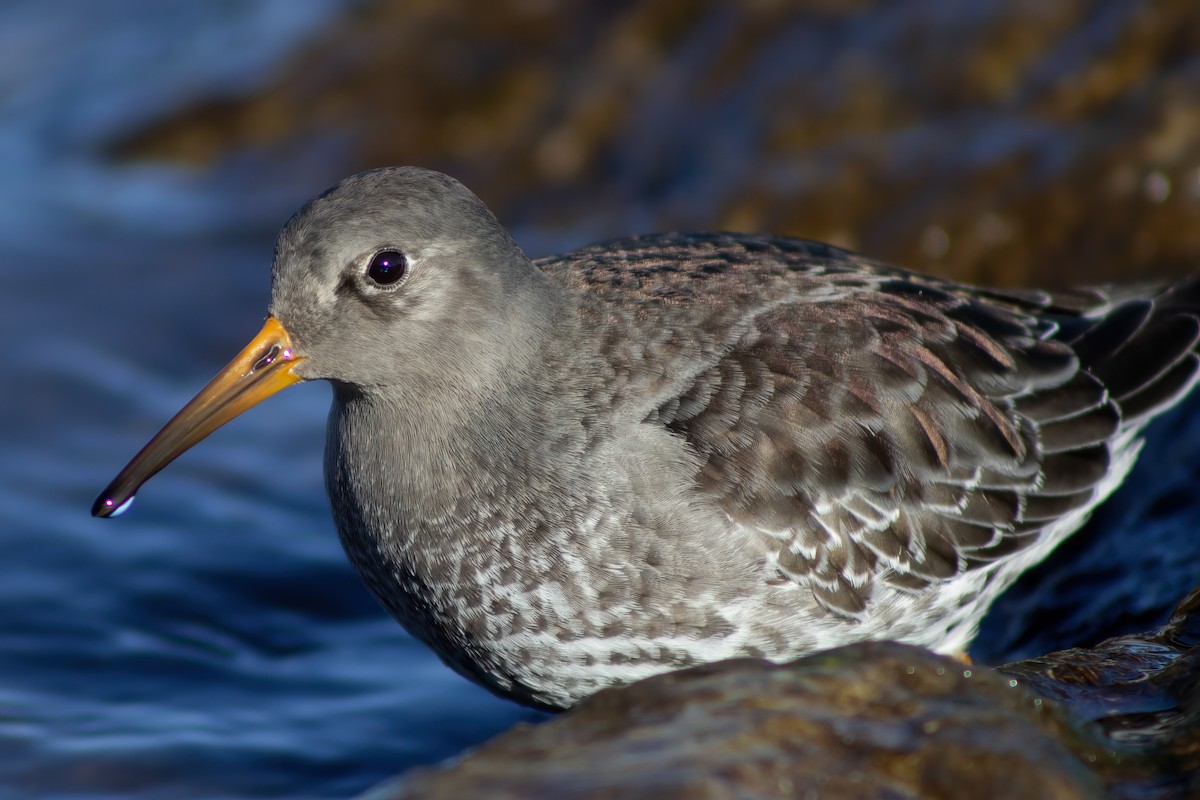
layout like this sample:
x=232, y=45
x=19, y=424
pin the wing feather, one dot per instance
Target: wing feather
x=877, y=427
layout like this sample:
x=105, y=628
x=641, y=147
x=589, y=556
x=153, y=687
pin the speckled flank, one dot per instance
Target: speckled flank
x=673, y=449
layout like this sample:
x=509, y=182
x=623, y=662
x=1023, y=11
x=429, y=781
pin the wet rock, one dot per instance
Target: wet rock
x=1143, y=694
x=1013, y=143
x=870, y=720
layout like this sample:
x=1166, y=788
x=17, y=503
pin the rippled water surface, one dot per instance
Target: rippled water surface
x=214, y=641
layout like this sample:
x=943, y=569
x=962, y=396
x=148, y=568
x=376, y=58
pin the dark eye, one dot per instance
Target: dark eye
x=387, y=267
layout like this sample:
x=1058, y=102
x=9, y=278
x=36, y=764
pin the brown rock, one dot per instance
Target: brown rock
x=871, y=720
x=1143, y=693
x=1020, y=143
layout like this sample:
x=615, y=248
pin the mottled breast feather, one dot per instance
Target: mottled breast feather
x=879, y=427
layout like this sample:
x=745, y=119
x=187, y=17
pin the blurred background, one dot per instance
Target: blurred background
x=213, y=642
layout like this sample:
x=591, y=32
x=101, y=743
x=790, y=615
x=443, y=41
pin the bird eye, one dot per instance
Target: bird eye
x=387, y=267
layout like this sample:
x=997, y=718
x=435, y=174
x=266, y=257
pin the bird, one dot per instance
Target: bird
x=667, y=450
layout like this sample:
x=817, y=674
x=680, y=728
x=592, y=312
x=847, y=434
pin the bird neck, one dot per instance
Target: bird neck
x=411, y=462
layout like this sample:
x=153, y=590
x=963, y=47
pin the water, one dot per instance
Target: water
x=214, y=642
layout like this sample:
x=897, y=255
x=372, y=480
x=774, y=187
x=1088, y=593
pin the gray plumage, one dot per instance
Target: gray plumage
x=666, y=450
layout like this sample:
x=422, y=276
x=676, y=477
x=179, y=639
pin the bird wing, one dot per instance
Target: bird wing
x=897, y=433
x=875, y=425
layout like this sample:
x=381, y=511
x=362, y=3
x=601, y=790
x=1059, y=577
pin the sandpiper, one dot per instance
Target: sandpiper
x=575, y=472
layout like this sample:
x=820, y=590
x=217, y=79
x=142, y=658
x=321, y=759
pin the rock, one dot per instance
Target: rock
x=871, y=720
x=1143, y=694
x=1014, y=143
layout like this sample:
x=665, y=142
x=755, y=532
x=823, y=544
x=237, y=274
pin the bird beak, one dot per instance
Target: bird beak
x=263, y=368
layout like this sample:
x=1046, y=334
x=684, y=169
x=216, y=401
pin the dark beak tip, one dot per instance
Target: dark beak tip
x=107, y=506
x=102, y=507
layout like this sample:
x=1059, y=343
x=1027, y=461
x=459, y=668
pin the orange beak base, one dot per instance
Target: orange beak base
x=263, y=368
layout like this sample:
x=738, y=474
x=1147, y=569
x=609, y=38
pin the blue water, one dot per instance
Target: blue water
x=214, y=642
